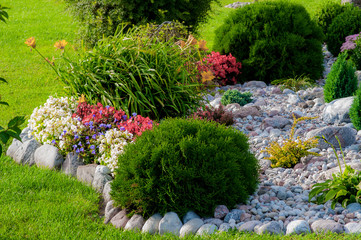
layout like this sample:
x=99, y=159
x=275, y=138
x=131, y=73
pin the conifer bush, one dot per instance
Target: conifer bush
x=355, y=110
x=235, y=96
x=185, y=164
x=273, y=40
x=341, y=81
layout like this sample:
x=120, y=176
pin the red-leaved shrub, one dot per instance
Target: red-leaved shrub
x=219, y=115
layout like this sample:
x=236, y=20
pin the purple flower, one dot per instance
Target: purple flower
x=94, y=136
x=100, y=111
x=122, y=128
x=94, y=115
x=79, y=143
x=77, y=151
x=109, y=125
x=115, y=119
x=107, y=106
x=134, y=114
x=92, y=147
x=87, y=138
x=91, y=122
x=349, y=43
x=64, y=131
x=87, y=142
x=81, y=149
x=76, y=136
x=79, y=119
x=75, y=146
x=53, y=142
x=124, y=117
x=93, y=152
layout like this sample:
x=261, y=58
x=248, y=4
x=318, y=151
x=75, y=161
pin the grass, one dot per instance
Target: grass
x=43, y=204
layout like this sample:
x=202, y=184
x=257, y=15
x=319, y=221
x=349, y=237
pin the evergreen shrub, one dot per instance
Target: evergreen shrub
x=102, y=17
x=185, y=164
x=273, y=40
x=235, y=96
x=355, y=110
x=341, y=81
x=345, y=24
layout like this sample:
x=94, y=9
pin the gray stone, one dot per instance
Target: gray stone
x=101, y=176
x=24, y=135
x=293, y=99
x=326, y=226
x=298, y=227
x=106, y=191
x=221, y=211
x=189, y=216
x=338, y=110
x=191, y=227
x=151, y=226
x=48, y=156
x=234, y=214
x=120, y=219
x=232, y=107
x=224, y=227
x=249, y=226
x=110, y=211
x=255, y=84
x=353, y=227
x=216, y=102
x=207, y=229
x=356, y=3
x=275, y=122
x=328, y=174
x=86, y=173
x=26, y=152
x=247, y=111
x=135, y=223
x=15, y=145
x=347, y=136
x=71, y=163
x=214, y=221
x=270, y=228
x=170, y=223
x=353, y=207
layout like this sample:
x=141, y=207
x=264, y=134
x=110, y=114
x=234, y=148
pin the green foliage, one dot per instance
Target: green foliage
x=134, y=73
x=355, y=110
x=235, y=96
x=328, y=12
x=344, y=188
x=102, y=17
x=165, y=32
x=355, y=54
x=273, y=40
x=341, y=81
x=295, y=84
x=291, y=152
x=185, y=164
x=3, y=13
x=345, y=24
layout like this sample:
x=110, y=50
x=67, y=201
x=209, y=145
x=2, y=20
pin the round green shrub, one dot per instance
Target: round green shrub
x=345, y=24
x=355, y=110
x=341, y=81
x=102, y=17
x=235, y=96
x=185, y=164
x=328, y=12
x=273, y=40
x=136, y=74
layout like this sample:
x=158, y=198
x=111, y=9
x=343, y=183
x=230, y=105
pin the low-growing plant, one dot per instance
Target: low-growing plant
x=341, y=81
x=344, y=187
x=292, y=150
x=345, y=24
x=295, y=84
x=225, y=68
x=218, y=114
x=235, y=96
x=185, y=164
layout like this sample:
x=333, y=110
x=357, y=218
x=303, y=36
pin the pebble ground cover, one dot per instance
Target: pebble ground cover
x=92, y=208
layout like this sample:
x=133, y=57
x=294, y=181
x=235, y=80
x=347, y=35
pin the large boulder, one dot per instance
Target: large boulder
x=189, y=216
x=255, y=84
x=170, y=223
x=135, y=223
x=338, y=110
x=71, y=164
x=110, y=211
x=270, y=228
x=346, y=135
x=15, y=145
x=275, y=122
x=101, y=177
x=120, y=219
x=328, y=174
x=151, y=226
x=353, y=227
x=25, y=152
x=207, y=229
x=106, y=191
x=247, y=111
x=249, y=226
x=86, y=173
x=48, y=156
x=191, y=227
x=320, y=226
x=298, y=227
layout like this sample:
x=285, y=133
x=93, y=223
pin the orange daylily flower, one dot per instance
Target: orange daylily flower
x=31, y=42
x=60, y=44
x=202, y=45
x=191, y=40
x=207, y=76
x=81, y=99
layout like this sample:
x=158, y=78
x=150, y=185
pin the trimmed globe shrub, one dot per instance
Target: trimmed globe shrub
x=355, y=110
x=102, y=17
x=235, y=96
x=345, y=24
x=328, y=12
x=273, y=40
x=136, y=74
x=341, y=81
x=185, y=164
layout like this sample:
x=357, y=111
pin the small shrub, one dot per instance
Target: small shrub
x=345, y=24
x=328, y=12
x=273, y=40
x=355, y=110
x=165, y=32
x=295, y=84
x=101, y=18
x=344, y=188
x=182, y=165
x=235, y=96
x=291, y=152
x=341, y=81
x=219, y=115
x=225, y=68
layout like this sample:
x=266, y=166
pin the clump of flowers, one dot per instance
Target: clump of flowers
x=225, y=68
x=98, y=134
x=350, y=43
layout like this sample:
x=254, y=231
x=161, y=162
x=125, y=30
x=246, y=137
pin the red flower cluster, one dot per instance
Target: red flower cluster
x=225, y=68
x=108, y=117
